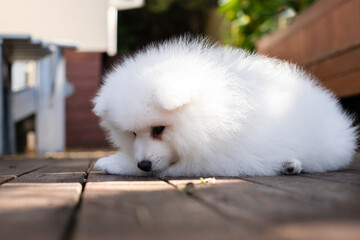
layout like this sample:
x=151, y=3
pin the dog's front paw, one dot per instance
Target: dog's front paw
x=119, y=163
x=106, y=165
x=290, y=167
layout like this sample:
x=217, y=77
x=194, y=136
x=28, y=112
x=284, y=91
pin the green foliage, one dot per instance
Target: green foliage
x=159, y=20
x=248, y=20
x=158, y=6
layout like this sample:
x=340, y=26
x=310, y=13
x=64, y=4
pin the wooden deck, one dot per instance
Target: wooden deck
x=63, y=198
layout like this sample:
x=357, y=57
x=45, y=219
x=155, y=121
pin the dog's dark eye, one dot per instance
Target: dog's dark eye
x=134, y=133
x=156, y=131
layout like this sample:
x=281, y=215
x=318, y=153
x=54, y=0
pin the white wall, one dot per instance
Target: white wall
x=79, y=22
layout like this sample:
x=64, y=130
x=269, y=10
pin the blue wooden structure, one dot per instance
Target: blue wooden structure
x=44, y=99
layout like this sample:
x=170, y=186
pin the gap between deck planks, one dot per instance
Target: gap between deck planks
x=147, y=208
x=10, y=170
x=39, y=201
x=46, y=200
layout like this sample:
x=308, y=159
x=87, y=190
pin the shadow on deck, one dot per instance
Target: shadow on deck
x=62, y=198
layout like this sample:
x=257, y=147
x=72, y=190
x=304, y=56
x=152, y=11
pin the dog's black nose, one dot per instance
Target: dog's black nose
x=145, y=165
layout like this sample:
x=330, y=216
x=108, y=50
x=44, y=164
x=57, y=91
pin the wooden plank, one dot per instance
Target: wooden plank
x=41, y=202
x=116, y=207
x=90, y=155
x=349, y=175
x=313, y=42
x=345, y=85
x=335, y=66
x=335, y=195
x=303, y=20
x=255, y=203
x=342, y=177
x=59, y=171
x=11, y=169
x=345, y=24
x=98, y=176
x=355, y=164
x=274, y=212
x=333, y=229
x=326, y=28
x=36, y=210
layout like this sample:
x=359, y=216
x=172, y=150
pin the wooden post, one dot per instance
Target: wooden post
x=50, y=116
x=9, y=131
x=1, y=103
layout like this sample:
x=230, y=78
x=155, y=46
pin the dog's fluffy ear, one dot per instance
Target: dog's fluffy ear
x=172, y=98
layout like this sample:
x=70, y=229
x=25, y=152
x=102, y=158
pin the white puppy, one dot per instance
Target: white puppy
x=189, y=108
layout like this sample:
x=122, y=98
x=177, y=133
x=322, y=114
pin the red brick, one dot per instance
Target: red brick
x=82, y=126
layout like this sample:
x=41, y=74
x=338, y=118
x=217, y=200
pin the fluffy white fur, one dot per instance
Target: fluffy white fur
x=227, y=113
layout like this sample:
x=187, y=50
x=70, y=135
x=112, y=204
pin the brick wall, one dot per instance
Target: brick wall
x=84, y=71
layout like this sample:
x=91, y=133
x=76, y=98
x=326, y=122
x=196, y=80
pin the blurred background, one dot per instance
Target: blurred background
x=54, y=53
